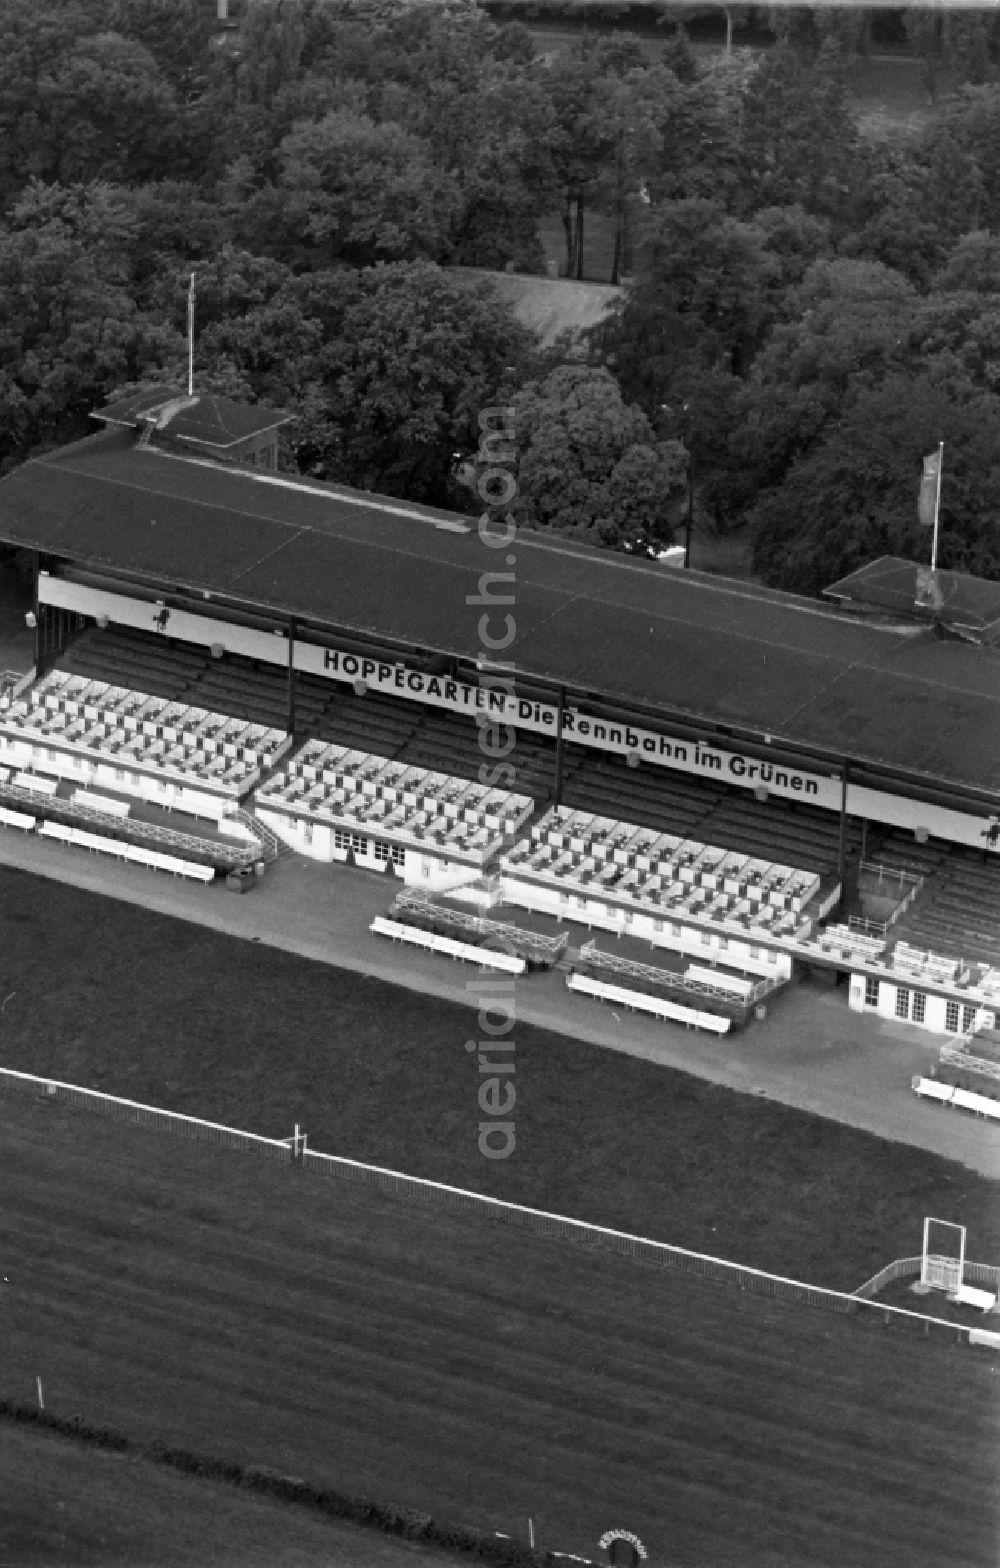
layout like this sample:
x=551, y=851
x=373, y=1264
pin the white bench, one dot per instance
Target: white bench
x=724, y=982
x=16, y=819
x=57, y=830
x=40, y=786
x=659, y=1006
x=969, y=1296
x=111, y=808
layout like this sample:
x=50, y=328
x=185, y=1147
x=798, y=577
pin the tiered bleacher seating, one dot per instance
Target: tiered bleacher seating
x=928, y=967
x=451, y=742
x=662, y=872
x=129, y=729
x=369, y=723
x=650, y=797
x=799, y=834
x=956, y=914
x=143, y=660
x=842, y=941
x=441, y=813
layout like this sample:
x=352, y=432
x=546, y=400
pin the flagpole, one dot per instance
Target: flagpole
x=937, y=507
x=192, y=337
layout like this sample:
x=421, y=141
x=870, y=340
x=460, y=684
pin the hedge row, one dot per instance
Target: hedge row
x=405, y=1522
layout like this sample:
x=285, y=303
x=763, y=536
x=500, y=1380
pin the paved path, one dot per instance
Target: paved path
x=812, y=1052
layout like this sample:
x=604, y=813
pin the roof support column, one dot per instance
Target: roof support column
x=291, y=677
x=558, y=783
x=35, y=568
x=842, y=848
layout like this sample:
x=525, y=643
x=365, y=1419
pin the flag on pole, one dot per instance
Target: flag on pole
x=927, y=501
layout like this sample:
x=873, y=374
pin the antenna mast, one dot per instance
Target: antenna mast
x=191, y=337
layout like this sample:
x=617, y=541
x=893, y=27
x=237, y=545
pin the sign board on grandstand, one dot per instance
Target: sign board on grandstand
x=494, y=703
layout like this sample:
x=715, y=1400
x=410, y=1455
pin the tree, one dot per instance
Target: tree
x=799, y=138
x=363, y=192
x=33, y=41
x=177, y=33
x=700, y=299
x=853, y=498
x=972, y=265
x=585, y=145
x=411, y=357
x=849, y=326
x=70, y=330
x=591, y=467
x=103, y=111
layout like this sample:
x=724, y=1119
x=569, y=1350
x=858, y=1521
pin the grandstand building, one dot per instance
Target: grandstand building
x=229, y=660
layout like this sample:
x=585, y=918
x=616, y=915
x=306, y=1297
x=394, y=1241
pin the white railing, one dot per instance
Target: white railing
x=540, y=1221
x=141, y=1115
x=970, y=1063
x=526, y=943
x=448, y=947
x=909, y=1268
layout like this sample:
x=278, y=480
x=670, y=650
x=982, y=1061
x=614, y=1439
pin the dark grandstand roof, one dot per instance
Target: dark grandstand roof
x=680, y=643
x=203, y=419
x=969, y=606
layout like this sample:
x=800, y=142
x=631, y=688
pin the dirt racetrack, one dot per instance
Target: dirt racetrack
x=244, y=1309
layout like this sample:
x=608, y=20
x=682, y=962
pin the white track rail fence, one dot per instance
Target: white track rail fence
x=537, y=1221
x=142, y=1115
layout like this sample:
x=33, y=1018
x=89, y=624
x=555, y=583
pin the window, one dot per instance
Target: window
x=951, y=1017
x=902, y=1002
x=342, y=840
x=968, y=1018
x=307, y=832
x=919, y=1006
x=871, y=991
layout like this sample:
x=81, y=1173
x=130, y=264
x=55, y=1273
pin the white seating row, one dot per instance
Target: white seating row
x=368, y=792
x=740, y=985
x=136, y=853
x=37, y=784
x=965, y=1099
x=970, y=1296
x=447, y=945
x=567, y=874
x=914, y=961
x=133, y=727
x=842, y=936
x=580, y=839
x=16, y=819
x=658, y=1006
x=103, y=803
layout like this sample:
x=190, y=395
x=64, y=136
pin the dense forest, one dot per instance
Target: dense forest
x=810, y=309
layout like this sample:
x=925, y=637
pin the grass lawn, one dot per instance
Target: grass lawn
x=118, y=998
x=66, y=1505
x=434, y=1361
